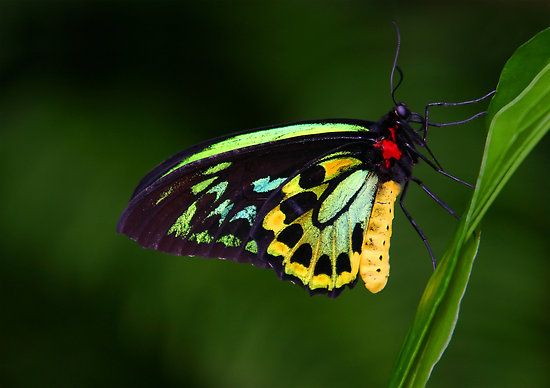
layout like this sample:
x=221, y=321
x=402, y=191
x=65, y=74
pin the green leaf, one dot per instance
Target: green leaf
x=528, y=60
x=519, y=117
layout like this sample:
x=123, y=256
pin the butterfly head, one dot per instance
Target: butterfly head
x=401, y=117
x=402, y=112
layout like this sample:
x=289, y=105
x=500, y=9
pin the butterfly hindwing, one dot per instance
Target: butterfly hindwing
x=313, y=228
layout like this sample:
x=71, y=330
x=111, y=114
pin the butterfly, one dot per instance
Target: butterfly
x=313, y=200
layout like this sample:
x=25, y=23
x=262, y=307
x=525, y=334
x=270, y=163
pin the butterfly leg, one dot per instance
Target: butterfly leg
x=433, y=196
x=414, y=224
x=432, y=104
x=439, y=169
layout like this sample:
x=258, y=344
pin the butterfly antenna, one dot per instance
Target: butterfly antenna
x=395, y=67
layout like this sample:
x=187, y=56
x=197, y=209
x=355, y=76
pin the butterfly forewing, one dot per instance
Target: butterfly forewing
x=207, y=205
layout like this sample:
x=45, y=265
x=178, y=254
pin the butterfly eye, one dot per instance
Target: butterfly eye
x=402, y=111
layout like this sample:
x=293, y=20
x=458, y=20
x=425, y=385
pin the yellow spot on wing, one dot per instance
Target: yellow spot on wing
x=375, y=260
x=292, y=187
x=277, y=248
x=320, y=281
x=297, y=270
x=274, y=220
x=333, y=167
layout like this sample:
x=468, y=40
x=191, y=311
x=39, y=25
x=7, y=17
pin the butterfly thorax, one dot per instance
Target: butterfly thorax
x=395, y=138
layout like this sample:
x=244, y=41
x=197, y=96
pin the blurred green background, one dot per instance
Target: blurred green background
x=93, y=94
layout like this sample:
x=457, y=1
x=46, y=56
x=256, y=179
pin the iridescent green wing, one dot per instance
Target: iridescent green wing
x=312, y=228
x=205, y=201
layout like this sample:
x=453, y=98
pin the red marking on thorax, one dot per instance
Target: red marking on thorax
x=389, y=148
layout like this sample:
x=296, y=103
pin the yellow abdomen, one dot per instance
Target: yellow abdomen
x=374, y=266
